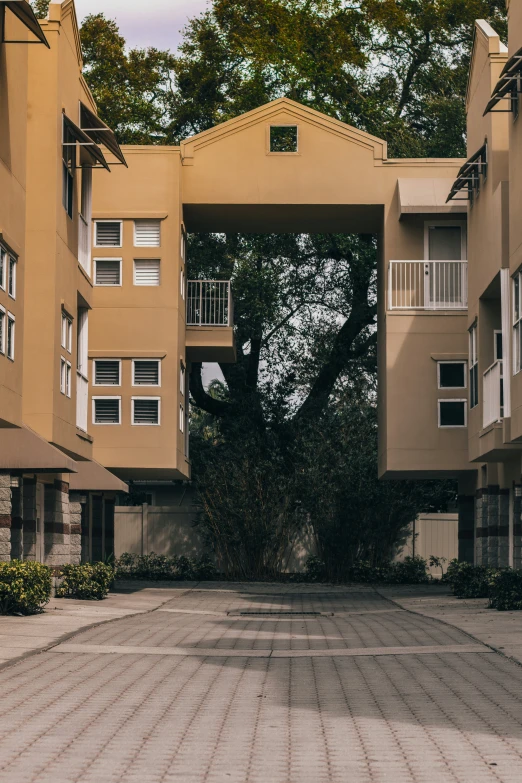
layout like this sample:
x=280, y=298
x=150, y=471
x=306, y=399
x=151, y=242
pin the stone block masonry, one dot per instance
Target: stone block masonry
x=75, y=518
x=17, y=502
x=5, y=517
x=57, y=528
x=29, y=519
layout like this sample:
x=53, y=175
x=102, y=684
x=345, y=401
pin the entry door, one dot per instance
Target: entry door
x=40, y=511
x=445, y=275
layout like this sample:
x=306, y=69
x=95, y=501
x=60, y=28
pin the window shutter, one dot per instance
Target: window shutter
x=107, y=373
x=108, y=234
x=108, y=272
x=147, y=271
x=106, y=411
x=146, y=411
x=146, y=373
x=147, y=233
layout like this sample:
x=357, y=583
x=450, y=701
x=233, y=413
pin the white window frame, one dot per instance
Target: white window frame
x=3, y=271
x=143, y=423
x=106, y=385
x=11, y=260
x=106, y=423
x=67, y=332
x=107, y=220
x=102, y=285
x=68, y=379
x=10, y=319
x=496, y=357
x=452, y=361
x=452, y=426
x=182, y=283
x=63, y=365
x=3, y=333
x=141, y=285
x=146, y=385
x=450, y=224
x=473, y=362
x=137, y=220
x=517, y=321
x=181, y=418
x=183, y=244
x=182, y=378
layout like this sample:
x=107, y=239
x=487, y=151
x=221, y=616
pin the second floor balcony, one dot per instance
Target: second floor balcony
x=428, y=285
x=210, y=334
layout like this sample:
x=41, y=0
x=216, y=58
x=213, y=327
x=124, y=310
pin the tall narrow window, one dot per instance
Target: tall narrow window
x=11, y=278
x=3, y=267
x=63, y=365
x=517, y=322
x=147, y=233
x=68, y=379
x=84, y=221
x=107, y=233
x=10, y=336
x=68, y=169
x=473, y=367
x=182, y=378
x=82, y=383
x=67, y=329
x=146, y=271
x=2, y=330
x=181, y=418
x=182, y=283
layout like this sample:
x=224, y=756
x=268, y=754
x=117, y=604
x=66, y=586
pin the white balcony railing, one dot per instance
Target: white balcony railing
x=428, y=285
x=84, y=244
x=493, y=394
x=82, y=401
x=209, y=303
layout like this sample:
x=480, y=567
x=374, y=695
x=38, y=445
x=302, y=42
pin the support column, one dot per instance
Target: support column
x=493, y=525
x=503, y=528
x=75, y=517
x=466, y=509
x=481, y=530
x=97, y=527
x=17, y=515
x=5, y=517
x=517, y=526
x=57, y=535
x=29, y=519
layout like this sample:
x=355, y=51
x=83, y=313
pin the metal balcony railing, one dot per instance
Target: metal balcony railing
x=428, y=285
x=493, y=394
x=209, y=303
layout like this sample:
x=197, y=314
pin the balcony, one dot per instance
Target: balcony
x=493, y=394
x=428, y=285
x=209, y=335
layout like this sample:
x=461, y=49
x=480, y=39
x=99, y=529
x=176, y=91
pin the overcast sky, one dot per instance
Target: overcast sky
x=146, y=22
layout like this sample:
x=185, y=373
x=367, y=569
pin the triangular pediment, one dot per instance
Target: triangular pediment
x=283, y=109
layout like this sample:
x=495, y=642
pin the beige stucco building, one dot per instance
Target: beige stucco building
x=99, y=323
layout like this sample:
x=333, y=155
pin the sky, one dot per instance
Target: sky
x=146, y=22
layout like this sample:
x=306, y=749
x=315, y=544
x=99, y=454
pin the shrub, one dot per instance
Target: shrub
x=25, y=587
x=468, y=581
x=89, y=581
x=411, y=571
x=315, y=569
x=505, y=589
x=161, y=568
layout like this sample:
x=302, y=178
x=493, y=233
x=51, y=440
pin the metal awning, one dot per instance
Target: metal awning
x=25, y=451
x=85, y=142
x=509, y=86
x=469, y=176
x=91, y=476
x=100, y=132
x=23, y=11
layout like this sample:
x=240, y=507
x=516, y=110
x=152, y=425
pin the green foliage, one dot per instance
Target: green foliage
x=161, y=568
x=25, y=587
x=411, y=571
x=89, y=581
x=468, y=581
x=315, y=570
x=505, y=589
x=41, y=8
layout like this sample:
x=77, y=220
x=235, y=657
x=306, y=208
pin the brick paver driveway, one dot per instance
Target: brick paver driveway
x=264, y=684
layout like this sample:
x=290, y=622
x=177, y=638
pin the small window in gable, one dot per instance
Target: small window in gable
x=107, y=233
x=283, y=138
x=147, y=233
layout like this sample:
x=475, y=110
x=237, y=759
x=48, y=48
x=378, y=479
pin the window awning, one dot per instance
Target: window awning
x=419, y=195
x=87, y=144
x=469, y=175
x=24, y=12
x=25, y=451
x=509, y=86
x=91, y=476
x=100, y=132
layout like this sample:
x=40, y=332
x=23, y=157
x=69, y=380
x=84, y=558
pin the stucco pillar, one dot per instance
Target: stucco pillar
x=481, y=526
x=75, y=518
x=57, y=529
x=97, y=527
x=29, y=519
x=5, y=517
x=493, y=525
x=517, y=526
x=17, y=503
x=466, y=509
x=503, y=528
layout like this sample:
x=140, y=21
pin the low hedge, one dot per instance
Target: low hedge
x=161, y=568
x=411, y=571
x=505, y=589
x=25, y=587
x=469, y=581
x=89, y=581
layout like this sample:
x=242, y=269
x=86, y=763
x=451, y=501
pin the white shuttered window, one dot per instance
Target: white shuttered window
x=106, y=410
x=107, y=372
x=107, y=233
x=147, y=233
x=146, y=271
x=146, y=410
x=108, y=271
x=146, y=372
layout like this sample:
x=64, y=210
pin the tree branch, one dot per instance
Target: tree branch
x=201, y=398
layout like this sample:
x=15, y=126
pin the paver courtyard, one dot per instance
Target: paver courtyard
x=313, y=684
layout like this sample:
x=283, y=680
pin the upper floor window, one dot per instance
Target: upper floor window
x=106, y=410
x=146, y=271
x=146, y=410
x=517, y=322
x=107, y=271
x=146, y=372
x=10, y=336
x=283, y=138
x=107, y=372
x=182, y=283
x=3, y=267
x=2, y=330
x=452, y=413
x=473, y=367
x=182, y=378
x=11, y=278
x=451, y=375
x=108, y=233
x=67, y=329
x=147, y=233
x=68, y=168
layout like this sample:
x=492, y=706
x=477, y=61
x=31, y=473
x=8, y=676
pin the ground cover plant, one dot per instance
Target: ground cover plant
x=88, y=581
x=162, y=568
x=25, y=587
x=412, y=570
